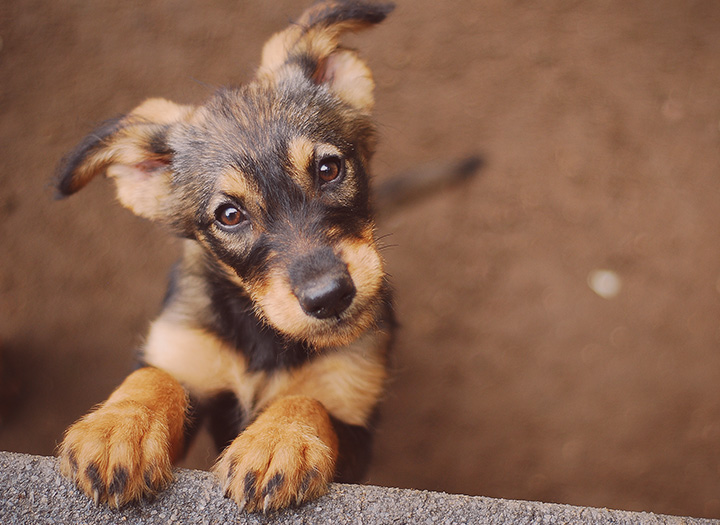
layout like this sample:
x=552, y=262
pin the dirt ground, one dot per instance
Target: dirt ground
x=600, y=126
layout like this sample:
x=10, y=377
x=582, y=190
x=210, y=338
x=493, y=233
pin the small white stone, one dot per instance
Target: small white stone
x=605, y=283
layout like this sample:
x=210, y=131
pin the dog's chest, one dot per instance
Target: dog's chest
x=207, y=366
x=345, y=380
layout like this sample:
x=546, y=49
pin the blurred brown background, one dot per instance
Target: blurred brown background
x=600, y=126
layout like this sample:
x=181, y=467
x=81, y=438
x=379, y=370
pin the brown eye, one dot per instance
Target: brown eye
x=329, y=169
x=229, y=215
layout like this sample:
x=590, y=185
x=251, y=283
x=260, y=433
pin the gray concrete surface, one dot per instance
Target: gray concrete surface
x=33, y=492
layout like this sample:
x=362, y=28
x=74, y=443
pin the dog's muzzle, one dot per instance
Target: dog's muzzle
x=322, y=284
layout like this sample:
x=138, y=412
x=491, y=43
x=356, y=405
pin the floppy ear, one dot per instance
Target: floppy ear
x=133, y=150
x=312, y=44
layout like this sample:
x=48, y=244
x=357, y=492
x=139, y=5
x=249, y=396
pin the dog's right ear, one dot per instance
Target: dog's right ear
x=312, y=44
x=133, y=150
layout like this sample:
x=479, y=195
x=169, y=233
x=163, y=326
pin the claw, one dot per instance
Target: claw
x=148, y=479
x=226, y=487
x=250, y=489
x=96, y=496
x=118, y=483
x=305, y=486
x=72, y=458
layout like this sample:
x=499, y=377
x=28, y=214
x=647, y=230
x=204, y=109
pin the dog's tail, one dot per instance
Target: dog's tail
x=312, y=45
x=423, y=181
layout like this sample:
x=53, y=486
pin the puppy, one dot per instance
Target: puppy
x=277, y=323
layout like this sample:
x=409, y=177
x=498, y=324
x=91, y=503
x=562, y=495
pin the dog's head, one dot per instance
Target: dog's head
x=269, y=178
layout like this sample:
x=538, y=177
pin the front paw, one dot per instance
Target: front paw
x=286, y=457
x=118, y=453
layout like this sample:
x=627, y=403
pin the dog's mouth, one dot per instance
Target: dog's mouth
x=326, y=298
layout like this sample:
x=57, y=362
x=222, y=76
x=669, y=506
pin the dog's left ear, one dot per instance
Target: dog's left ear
x=312, y=45
x=134, y=152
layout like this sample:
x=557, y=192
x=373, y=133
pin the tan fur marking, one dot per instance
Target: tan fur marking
x=280, y=305
x=235, y=183
x=275, y=51
x=300, y=154
x=281, y=308
x=348, y=382
x=365, y=267
x=91, y=166
x=318, y=41
x=124, y=450
x=351, y=79
x=288, y=455
x=341, y=70
x=323, y=150
x=161, y=111
x=142, y=193
x=142, y=180
x=201, y=361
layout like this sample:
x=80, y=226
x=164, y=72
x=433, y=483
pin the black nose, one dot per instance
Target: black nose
x=327, y=296
x=322, y=285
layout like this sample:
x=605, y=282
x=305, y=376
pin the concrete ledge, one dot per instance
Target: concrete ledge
x=33, y=492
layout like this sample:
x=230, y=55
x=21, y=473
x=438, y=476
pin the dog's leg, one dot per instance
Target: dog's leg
x=124, y=450
x=285, y=457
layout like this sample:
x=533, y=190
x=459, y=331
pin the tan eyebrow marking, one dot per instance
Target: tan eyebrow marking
x=300, y=155
x=234, y=182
